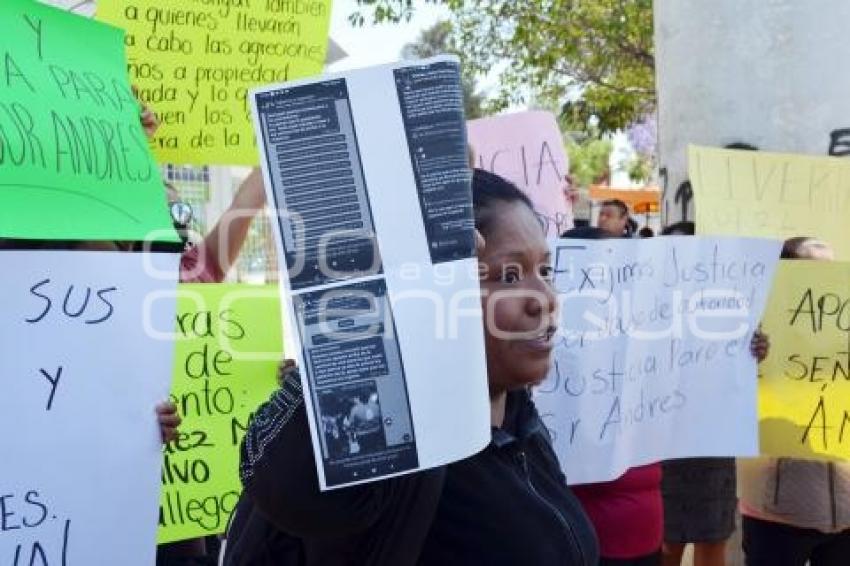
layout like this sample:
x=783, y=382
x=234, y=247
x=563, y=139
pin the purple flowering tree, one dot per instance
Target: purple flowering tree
x=643, y=137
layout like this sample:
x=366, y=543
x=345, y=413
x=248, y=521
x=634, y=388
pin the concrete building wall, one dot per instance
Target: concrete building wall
x=771, y=73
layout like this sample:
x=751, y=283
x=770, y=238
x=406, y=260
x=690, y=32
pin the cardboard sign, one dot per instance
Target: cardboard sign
x=195, y=62
x=80, y=376
x=653, y=357
x=228, y=349
x=772, y=195
x=527, y=148
x=804, y=385
x=368, y=172
x=74, y=161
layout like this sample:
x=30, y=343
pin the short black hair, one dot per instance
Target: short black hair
x=586, y=233
x=489, y=188
x=624, y=208
x=741, y=145
x=791, y=247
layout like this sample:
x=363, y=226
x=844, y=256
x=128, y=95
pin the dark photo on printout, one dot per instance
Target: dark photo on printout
x=351, y=420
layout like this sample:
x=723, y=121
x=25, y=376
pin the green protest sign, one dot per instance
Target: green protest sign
x=228, y=347
x=74, y=160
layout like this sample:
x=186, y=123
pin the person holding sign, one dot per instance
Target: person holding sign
x=699, y=493
x=796, y=511
x=209, y=260
x=509, y=504
x=628, y=512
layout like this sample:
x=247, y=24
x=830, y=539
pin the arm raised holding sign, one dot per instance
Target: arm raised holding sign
x=508, y=504
x=211, y=259
x=225, y=240
x=760, y=345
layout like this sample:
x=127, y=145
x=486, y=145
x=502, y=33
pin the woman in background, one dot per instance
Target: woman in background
x=796, y=512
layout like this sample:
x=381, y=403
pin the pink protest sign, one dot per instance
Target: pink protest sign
x=527, y=149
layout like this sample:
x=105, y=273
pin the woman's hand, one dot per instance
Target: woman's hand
x=150, y=123
x=286, y=367
x=759, y=345
x=169, y=420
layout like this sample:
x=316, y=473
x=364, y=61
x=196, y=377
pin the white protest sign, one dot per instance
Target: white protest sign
x=79, y=380
x=652, y=360
x=368, y=171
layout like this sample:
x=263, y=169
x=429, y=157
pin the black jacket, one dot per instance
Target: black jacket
x=445, y=516
x=509, y=504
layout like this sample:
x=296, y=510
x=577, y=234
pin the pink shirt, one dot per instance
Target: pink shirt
x=628, y=513
x=196, y=266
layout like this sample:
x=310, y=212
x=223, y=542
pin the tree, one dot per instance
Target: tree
x=593, y=57
x=439, y=39
x=589, y=160
x=643, y=137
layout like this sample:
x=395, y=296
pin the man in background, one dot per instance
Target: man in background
x=614, y=218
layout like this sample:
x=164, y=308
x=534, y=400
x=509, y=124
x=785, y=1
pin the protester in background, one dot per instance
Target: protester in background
x=508, y=504
x=628, y=512
x=796, y=512
x=699, y=494
x=803, y=247
x=613, y=218
x=209, y=260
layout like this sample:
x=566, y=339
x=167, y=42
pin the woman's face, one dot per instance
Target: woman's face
x=517, y=298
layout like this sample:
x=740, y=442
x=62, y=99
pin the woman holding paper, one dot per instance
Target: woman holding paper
x=796, y=511
x=509, y=504
x=699, y=494
x=628, y=512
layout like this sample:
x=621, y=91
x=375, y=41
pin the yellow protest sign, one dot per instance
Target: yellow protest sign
x=228, y=347
x=804, y=386
x=194, y=63
x=774, y=195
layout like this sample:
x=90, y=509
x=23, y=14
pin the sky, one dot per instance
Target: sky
x=372, y=45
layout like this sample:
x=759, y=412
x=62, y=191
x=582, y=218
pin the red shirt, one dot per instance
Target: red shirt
x=628, y=513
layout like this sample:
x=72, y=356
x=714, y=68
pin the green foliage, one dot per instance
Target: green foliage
x=392, y=11
x=593, y=58
x=439, y=39
x=639, y=168
x=589, y=160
